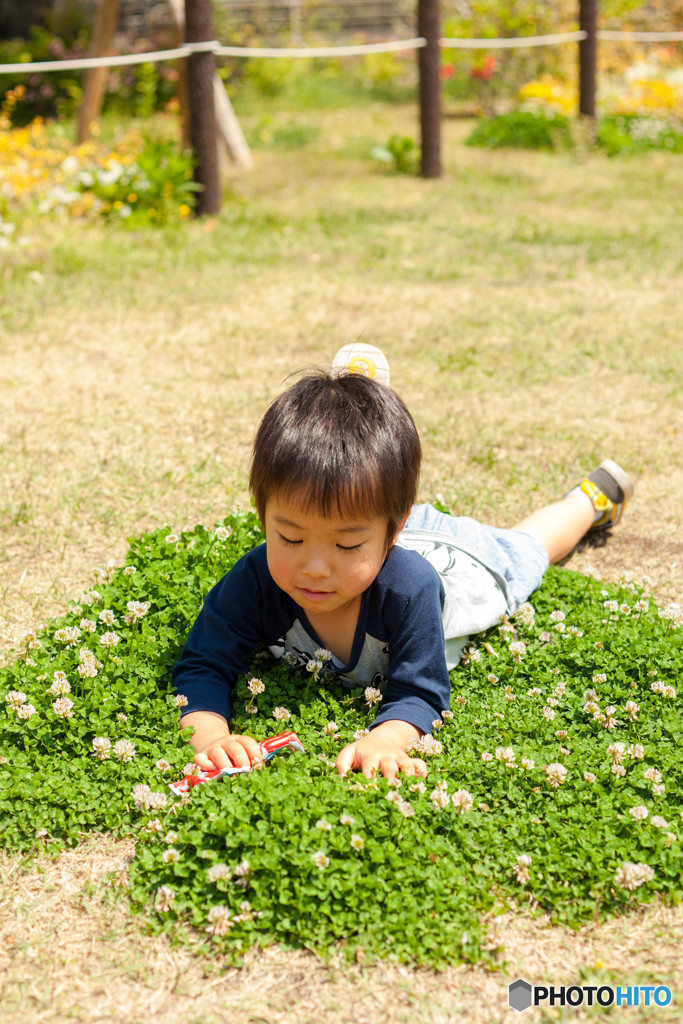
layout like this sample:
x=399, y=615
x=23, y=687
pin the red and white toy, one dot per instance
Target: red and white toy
x=273, y=745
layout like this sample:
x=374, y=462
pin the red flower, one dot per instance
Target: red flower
x=447, y=71
x=484, y=70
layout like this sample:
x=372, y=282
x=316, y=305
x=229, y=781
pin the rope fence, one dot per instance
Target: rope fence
x=390, y=46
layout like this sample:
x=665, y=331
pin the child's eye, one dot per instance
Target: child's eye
x=286, y=540
x=354, y=547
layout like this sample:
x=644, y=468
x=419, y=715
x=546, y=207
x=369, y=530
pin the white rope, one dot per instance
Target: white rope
x=320, y=51
x=98, y=62
x=512, y=42
x=642, y=37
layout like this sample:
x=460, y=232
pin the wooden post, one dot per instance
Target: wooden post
x=200, y=73
x=429, y=65
x=95, y=80
x=588, y=56
x=177, y=8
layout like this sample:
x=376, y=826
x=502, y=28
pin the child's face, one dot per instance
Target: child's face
x=322, y=562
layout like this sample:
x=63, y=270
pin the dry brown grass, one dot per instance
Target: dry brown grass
x=531, y=310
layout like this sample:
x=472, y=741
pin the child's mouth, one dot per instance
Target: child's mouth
x=315, y=595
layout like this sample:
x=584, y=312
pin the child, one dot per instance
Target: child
x=390, y=590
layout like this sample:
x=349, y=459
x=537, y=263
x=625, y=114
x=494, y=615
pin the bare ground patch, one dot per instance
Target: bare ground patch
x=69, y=951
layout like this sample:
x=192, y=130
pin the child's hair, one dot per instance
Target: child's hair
x=343, y=443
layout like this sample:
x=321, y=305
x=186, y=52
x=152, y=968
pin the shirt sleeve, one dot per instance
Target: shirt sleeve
x=226, y=631
x=418, y=688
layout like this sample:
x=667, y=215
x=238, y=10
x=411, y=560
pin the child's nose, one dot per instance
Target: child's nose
x=317, y=565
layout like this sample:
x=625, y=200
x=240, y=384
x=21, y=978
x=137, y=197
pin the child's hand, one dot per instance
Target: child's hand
x=228, y=752
x=216, y=746
x=382, y=750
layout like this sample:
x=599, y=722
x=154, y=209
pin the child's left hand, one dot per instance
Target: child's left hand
x=383, y=750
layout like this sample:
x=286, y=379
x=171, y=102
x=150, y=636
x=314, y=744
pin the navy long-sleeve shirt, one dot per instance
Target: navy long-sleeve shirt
x=398, y=645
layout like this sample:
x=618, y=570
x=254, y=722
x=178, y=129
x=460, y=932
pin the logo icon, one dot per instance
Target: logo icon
x=520, y=995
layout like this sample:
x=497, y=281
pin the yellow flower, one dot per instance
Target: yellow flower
x=184, y=210
x=132, y=198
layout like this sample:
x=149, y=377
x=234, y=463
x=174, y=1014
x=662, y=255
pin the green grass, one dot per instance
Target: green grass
x=417, y=887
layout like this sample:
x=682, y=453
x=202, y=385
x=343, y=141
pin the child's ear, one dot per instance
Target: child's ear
x=401, y=524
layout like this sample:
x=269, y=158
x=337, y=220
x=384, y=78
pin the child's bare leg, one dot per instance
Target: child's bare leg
x=596, y=504
x=560, y=526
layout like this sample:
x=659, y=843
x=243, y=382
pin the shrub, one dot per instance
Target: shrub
x=523, y=129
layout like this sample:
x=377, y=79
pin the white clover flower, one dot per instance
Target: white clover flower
x=658, y=821
x=323, y=825
x=528, y=763
x=281, y=714
x=404, y=808
x=636, y=750
x=630, y=876
x=521, y=869
x=526, y=614
x=68, y=635
x=640, y=812
x=360, y=733
x=658, y=789
x=552, y=702
x=560, y=627
x=25, y=711
x=34, y=645
x=418, y=787
x=101, y=747
x=439, y=797
x=221, y=533
x=574, y=631
x=599, y=677
x=556, y=772
x=219, y=872
x=313, y=666
x=15, y=698
x=322, y=654
x=618, y=770
x=171, y=855
x=88, y=625
x=589, y=777
x=492, y=679
x=141, y=795
x=506, y=754
x=162, y=765
x=668, y=691
x=157, y=801
x=180, y=700
x=320, y=859
x=220, y=921
x=447, y=715
x=345, y=819
x=62, y=707
x=517, y=649
x=534, y=692
x=486, y=756
x=124, y=751
x=657, y=687
x=632, y=710
x=88, y=669
x=609, y=721
x=437, y=723
x=172, y=538
x=559, y=689
x=155, y=825
x=121, y=717
x=617, y=752
x=610, y=606
x=107, y=617
x=60, y=687
x=463, y=800
x=331, y=729
x=109, y=639
x=393, y=797
x=672, y=613
x=256, y=686
x=164, y=898
x=670, y=838
x=356, y=842
x=372, y=695
x=425, y=745
x=548, y=714
x=136, y=611
x=243, y=870
x=130, y=570
x=653, y=774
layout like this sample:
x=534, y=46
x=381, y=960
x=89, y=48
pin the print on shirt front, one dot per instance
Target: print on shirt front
x=298, y=648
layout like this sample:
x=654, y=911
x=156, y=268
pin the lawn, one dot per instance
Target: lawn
x=530, y=308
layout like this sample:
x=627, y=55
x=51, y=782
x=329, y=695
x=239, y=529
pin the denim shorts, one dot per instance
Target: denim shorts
x=513, y=554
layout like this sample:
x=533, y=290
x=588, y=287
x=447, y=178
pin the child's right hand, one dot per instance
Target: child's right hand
x=230, y=751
